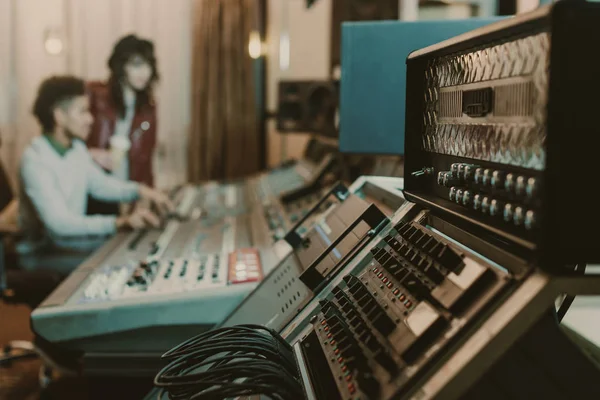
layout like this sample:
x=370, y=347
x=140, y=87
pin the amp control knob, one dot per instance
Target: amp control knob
x=479, y=176
x=529, y=220
x=520, y=185
x=452, y=194
x=531, y=188
x=495, y=208
x=519, y=216
x=509, y=211
x=487, y=176
x=477, y=202
x=485, y=205
x=467, y=198
x=497, y=180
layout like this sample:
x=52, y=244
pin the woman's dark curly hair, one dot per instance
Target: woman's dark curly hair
x=124, y=50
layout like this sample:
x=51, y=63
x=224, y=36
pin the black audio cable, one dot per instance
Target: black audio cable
x=230, y=362
x=568, y=300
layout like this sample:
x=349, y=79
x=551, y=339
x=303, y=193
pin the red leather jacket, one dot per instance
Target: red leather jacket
x=142, y=133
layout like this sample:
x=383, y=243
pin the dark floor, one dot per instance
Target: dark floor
x=19, y=381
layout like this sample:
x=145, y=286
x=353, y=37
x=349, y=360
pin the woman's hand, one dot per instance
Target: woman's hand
x=102, y=157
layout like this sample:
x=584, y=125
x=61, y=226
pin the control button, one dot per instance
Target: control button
x=497, y=179
x=477, y=202
x=531, y=188
x=485, y=205
x=529, y=219
x=454, y=169
x=459, y=195
x=487, y=176
x=519, y=216
x=470, y=172
x=453, y=191
x=496, y=208
x=509, y=182
x=466, y=198
x=508, y=212
x=440, y=178
x=479, y=176
x=520, y=185
x=461, y=171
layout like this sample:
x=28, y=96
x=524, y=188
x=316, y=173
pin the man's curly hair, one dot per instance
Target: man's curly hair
x=52, y=93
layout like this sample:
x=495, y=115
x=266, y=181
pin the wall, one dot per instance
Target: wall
x=308, y=30
x=89, y=29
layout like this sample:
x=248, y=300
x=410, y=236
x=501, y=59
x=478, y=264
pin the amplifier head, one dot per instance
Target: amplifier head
x=501, y=133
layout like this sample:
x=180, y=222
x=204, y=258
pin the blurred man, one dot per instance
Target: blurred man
x=58, y=174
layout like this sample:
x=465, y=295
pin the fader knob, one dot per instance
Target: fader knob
x=509, y=212
x=529, y=220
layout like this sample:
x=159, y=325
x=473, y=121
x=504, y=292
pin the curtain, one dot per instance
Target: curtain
x=224, y=136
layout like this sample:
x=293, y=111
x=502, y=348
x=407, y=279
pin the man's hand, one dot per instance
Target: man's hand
x=157, y=198
x=139, y=219
x=102, y=158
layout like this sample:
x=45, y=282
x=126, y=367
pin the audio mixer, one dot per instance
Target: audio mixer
x=169, y=283
x=452, y=294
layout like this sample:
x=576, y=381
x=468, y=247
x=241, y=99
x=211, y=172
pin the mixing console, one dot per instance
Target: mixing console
x=188, y=276
x=450, y=295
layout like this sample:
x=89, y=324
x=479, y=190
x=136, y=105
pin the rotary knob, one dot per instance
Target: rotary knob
x=495, y=208
x=477, y=202
x=479, y=176
x=520, y=185
x=467, y=198
x=497, y=180
x=459, y=195
x=509, y=182
x=531, y=188
x=519, y=216
x=487, y=176
x=470, y=172
x=485, y=205
x=452, y=194
x=530, y=220
x=508, y=212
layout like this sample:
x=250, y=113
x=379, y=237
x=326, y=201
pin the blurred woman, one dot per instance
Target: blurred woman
x=123, y=135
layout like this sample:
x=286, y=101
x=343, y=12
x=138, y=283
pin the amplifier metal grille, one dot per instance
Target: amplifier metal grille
x=514, y=132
